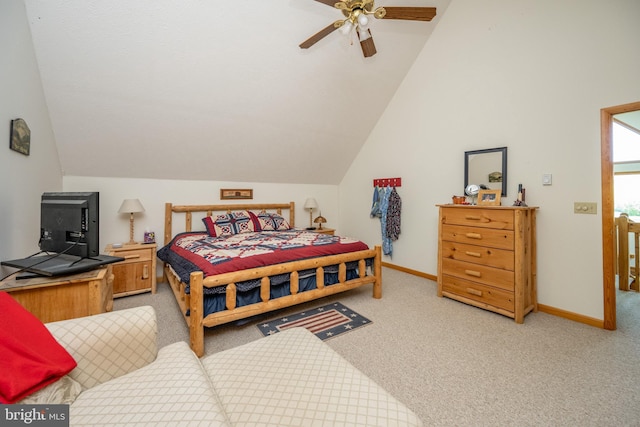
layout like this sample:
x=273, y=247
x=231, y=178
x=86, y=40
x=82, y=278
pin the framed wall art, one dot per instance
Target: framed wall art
x=235, y=193
x=489, y=197
x=20, y=137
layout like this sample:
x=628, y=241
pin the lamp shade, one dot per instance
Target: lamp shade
x=311, y=204
x=131, y=206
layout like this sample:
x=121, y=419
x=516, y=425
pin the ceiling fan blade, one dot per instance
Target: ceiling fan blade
x=318, y=36
x=328, y=2
x=367, y=45
x=410, y=13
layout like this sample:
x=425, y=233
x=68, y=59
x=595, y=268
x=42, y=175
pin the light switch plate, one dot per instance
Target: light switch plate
x=546, y=179
x=585, y=208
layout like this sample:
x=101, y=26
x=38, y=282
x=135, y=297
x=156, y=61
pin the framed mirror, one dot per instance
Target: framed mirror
x=486, y=167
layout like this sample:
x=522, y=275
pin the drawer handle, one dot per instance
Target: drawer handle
x=472, y=273
x=473, y=217
x=474, y=235
x=474, y=292
x=475, y=254
x=131, y=256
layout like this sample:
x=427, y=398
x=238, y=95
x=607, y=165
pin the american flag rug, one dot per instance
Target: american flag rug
x=325, y=322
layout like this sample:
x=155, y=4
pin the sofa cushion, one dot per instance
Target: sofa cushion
x=110, y=344
x=173, y=390
x=294, y=379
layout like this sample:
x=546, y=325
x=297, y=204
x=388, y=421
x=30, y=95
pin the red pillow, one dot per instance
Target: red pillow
x=30, y=356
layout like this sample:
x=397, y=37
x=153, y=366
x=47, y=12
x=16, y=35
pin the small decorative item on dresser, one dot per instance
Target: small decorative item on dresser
x=489, y=198
x=459, y=200
x=520, y=201
x=149, y=237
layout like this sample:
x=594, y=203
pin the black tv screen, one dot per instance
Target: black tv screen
x=69, y=223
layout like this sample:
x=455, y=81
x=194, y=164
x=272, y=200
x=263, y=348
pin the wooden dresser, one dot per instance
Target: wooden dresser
x=487, y=257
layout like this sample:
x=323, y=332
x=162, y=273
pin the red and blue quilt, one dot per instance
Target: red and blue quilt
x=197, y=251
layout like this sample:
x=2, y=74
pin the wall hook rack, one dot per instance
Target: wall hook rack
x=387, y=182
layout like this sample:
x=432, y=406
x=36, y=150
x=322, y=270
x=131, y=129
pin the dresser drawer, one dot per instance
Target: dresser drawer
x=453, y=286
x=501, y=239
x=134, y=255
x=496, y=277
x=479, y=217
x=491, y=257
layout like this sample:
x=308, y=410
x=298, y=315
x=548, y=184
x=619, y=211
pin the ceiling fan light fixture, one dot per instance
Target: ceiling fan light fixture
x=346, y=27
x=363, y=21
x=363, y=34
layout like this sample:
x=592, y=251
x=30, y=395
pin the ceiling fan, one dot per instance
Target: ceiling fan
x=357, y=13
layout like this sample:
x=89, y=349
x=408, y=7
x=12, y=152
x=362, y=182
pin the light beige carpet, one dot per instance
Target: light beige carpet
x=457, y=365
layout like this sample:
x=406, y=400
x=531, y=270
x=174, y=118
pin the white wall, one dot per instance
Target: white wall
x=529, y=75
x=22, y=178
x=153, y=195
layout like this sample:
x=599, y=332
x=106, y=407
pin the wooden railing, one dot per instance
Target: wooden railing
x=625, y=227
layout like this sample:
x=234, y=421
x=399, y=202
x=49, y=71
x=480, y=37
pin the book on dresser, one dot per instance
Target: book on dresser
x=487, y=257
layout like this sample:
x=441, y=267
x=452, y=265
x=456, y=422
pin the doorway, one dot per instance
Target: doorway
x=608, y=227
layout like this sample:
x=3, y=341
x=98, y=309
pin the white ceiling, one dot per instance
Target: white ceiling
x=210, y=90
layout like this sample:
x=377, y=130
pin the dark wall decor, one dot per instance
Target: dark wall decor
x=20, y=137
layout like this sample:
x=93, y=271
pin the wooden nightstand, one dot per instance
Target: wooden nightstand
x=137, y=273
x=324, y=231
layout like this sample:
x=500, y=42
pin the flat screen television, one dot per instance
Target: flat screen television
x=69, y=223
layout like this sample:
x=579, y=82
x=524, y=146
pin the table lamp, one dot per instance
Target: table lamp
x=311, y=204
x=131, y=206
x=320, y=220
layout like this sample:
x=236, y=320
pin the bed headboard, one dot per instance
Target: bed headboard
x=209, y=210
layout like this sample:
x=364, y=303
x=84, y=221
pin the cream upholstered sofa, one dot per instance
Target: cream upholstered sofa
x=288, y=379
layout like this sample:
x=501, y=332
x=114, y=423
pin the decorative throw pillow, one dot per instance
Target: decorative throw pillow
x=230, y=224
x=272, y=222
x=30, y=356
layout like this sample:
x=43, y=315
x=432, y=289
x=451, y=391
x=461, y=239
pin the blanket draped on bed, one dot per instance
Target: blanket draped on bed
x=197, y=251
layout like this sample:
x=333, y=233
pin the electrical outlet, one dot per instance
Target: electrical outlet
x=585, y=208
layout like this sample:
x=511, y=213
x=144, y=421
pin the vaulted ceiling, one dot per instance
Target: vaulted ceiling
x=211, y=90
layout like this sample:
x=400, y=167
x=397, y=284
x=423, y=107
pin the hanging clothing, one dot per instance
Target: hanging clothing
x=387, y=247
x=393, y=215
x=387, y=205
x=375, y=206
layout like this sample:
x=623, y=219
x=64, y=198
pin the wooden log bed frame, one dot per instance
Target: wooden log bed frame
x=193, y=302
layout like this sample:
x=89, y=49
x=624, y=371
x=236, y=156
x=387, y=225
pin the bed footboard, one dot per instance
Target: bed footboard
x=194, y=301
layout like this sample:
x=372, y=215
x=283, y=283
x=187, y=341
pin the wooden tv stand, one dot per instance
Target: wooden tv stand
x=64, y=297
